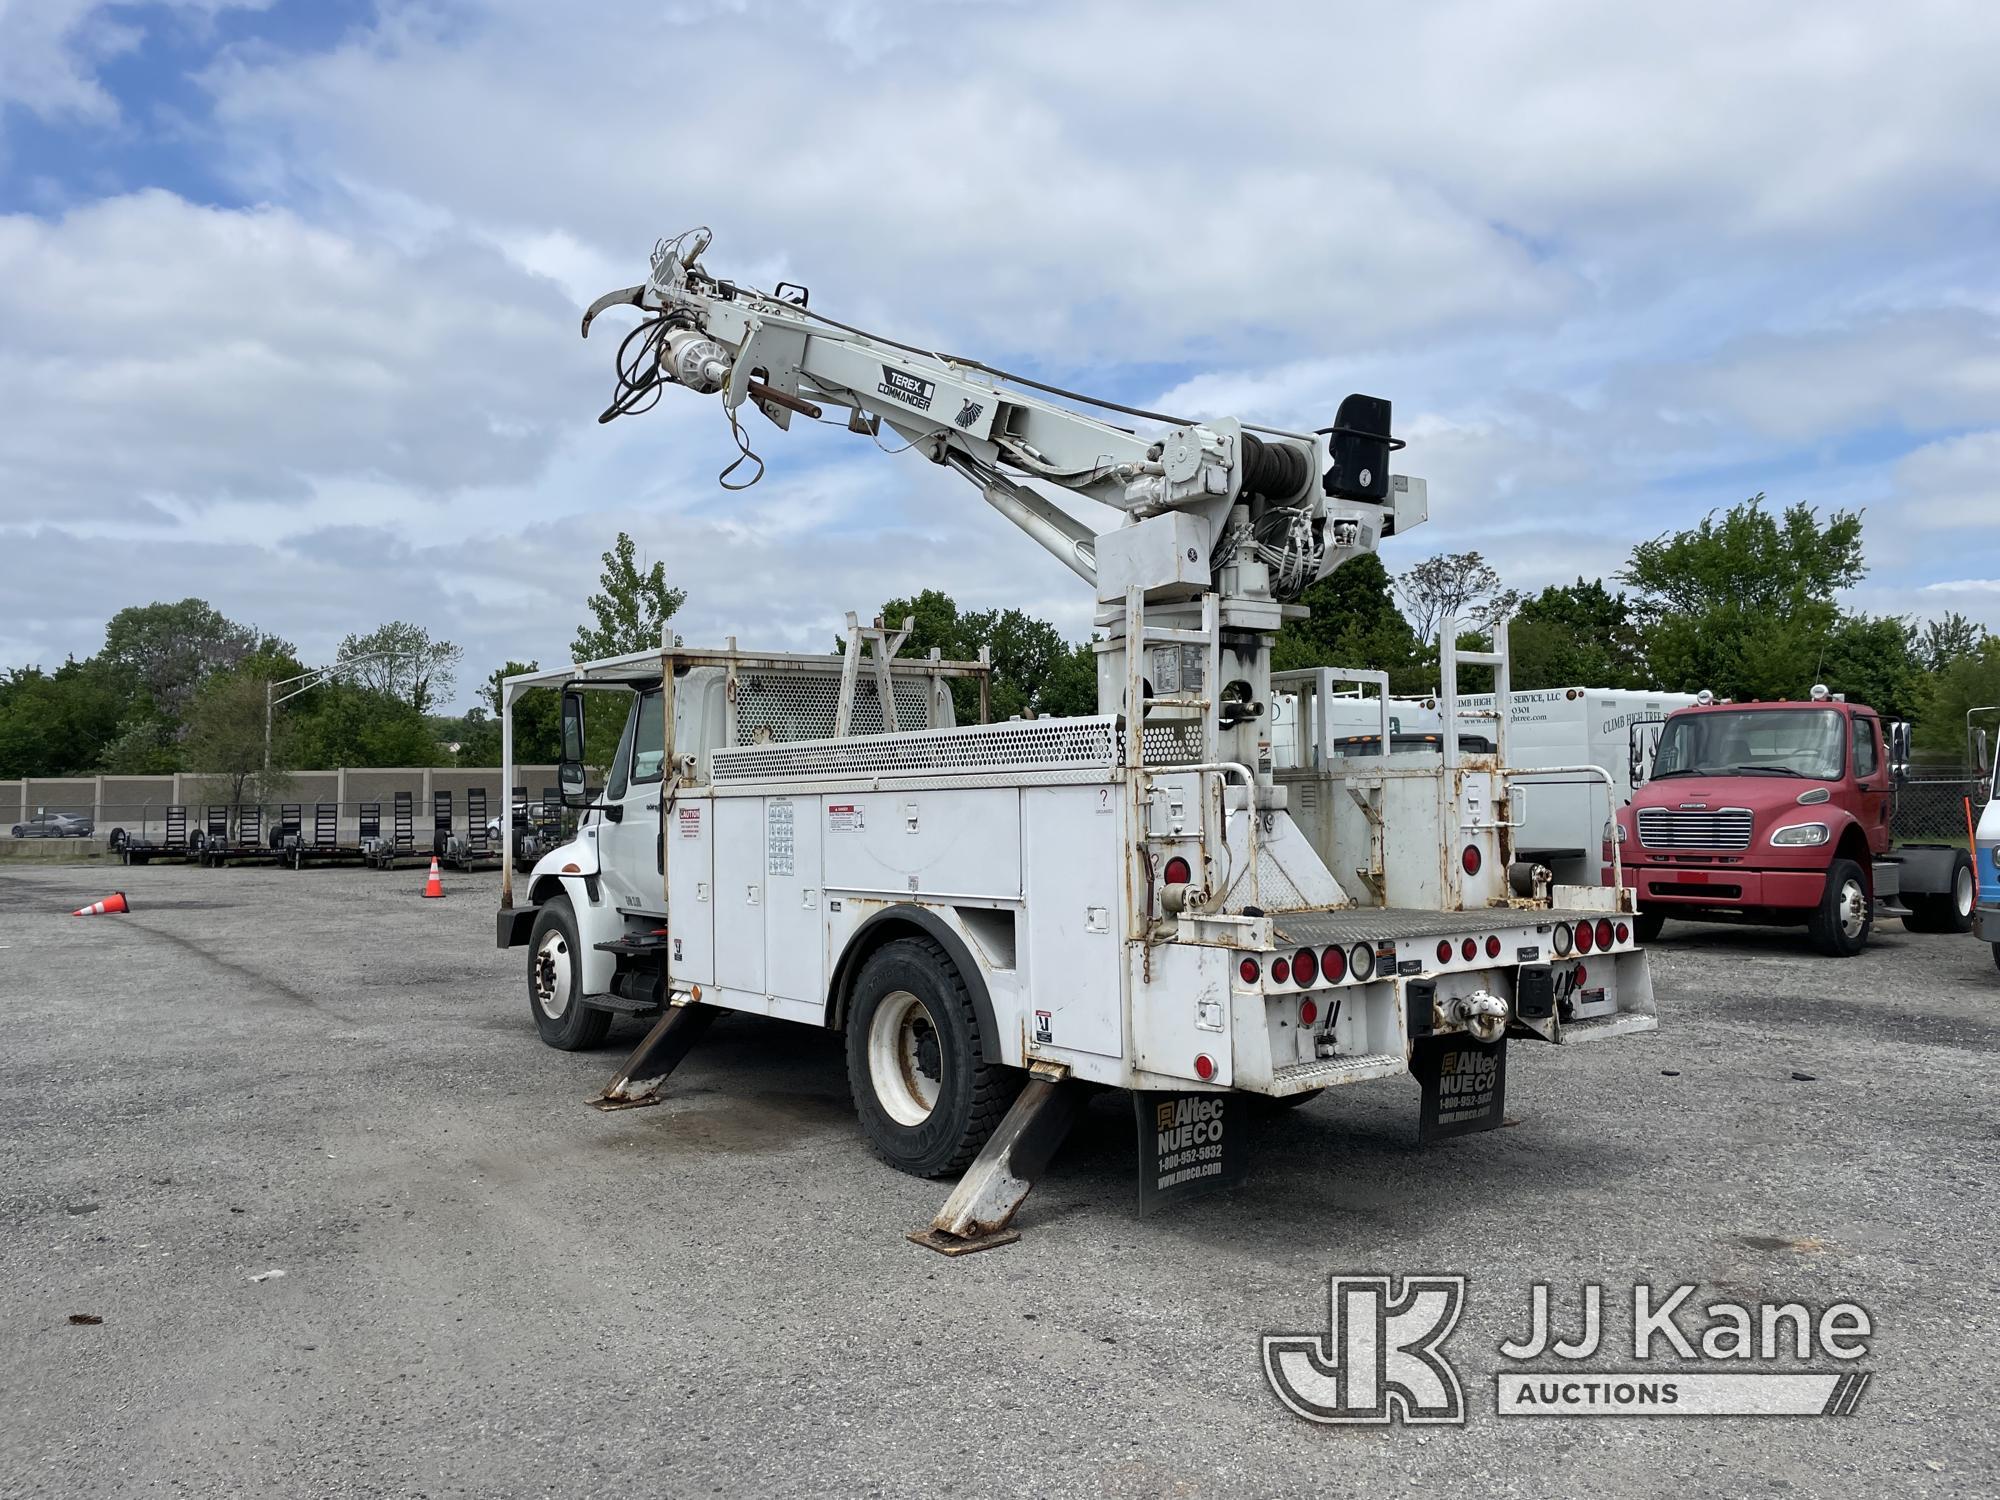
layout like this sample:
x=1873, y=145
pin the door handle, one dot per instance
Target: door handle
x=652, y=807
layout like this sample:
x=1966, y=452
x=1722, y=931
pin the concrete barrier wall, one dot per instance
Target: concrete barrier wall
x=138, y=804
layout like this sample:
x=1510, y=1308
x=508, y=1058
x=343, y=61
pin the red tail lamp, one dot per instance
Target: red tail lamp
x=1178, y=871
x=1333, y=964
x=1305, y=966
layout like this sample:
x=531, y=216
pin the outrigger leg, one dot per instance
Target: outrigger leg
x=673, y=1036
x=976, y=1215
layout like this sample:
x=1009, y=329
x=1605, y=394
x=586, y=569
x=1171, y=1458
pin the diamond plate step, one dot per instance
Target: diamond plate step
x=1331, y=1072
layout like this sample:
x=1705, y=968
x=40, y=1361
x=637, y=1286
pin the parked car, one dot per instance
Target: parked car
x=55, y=825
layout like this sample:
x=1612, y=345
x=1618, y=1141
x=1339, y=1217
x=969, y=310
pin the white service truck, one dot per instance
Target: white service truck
x=1561, y=817
x=998, y=914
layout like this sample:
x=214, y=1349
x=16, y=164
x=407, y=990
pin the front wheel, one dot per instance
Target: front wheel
x=555, y=982
x=18, y=832
x=926, y=1096
x=1840, y=924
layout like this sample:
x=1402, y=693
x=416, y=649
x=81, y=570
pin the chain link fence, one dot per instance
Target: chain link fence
x=1932, y=807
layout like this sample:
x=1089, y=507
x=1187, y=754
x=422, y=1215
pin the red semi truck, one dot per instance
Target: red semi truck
x=1783, y=813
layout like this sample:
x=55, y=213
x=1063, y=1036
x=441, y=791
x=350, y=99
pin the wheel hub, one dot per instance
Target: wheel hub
x=905, y=1058
x=551, y=976
x=1853, y=908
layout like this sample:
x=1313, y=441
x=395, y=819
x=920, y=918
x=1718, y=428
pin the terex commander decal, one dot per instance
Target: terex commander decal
x=911, y=390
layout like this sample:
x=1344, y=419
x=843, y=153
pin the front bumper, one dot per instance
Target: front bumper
x=1986, y=923
x=1725, y=886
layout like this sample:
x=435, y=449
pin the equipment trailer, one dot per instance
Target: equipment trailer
x=996, y=914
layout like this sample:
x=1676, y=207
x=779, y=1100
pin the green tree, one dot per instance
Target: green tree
x=1968, y=682
x=407, y=663
x=1942, y=642
x=1576, y=635
x=1355, y=623
x=630, y=610
x=343, y=724
x=172, y=649
x=1872, y=659
x=537, y=719
x=1461, y=586
x=59, y=723
x=224, y=741
x=1035, y=671
x=1744, y=602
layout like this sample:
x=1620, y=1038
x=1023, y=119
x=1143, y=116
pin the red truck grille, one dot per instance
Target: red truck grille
x=1670, y=828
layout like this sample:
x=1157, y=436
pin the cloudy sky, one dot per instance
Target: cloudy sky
x=288, y=292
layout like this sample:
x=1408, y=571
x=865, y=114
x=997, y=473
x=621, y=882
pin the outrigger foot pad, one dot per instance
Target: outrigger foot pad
x=637, y=1082
x=977, y=1214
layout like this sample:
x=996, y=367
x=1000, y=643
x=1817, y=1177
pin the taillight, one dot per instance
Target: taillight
x=1250, y=970
x=1624, y=932
x=1333, y=964
x=1604, y=932
x=1444, y=950
x=1281, y=971
x=1305, y=967
x=1178, y=872
x=1562, y=939
x=1361, y=959
x=1493, y=947
x=1583, y=937
x=1582, y=976
x=1469, y=949
x=1470, y=859
x=1308, y=1013
x=1204, y=1066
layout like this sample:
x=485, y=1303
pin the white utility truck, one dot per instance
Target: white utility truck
x=997, y=915
x=1560, y=817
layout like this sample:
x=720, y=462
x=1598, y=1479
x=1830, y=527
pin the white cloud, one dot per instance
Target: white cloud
x=1614, y=267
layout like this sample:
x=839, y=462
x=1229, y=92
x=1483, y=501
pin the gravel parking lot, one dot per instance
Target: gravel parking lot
x=489, y=1289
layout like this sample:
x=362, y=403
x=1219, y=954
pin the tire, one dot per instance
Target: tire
x=1996, y=955
x=924, y=1092
x=1949, y=911
x=18, y=833
x=117, y=839
x=1840, y=924
x=1647, y=925
x=555, y=982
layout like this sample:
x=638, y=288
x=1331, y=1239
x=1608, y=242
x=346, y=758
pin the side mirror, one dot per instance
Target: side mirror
x=1899, y=751
x=569, y=770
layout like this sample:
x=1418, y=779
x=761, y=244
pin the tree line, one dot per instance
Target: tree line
x=1745, y=603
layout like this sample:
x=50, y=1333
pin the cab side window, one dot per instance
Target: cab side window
x=649, y=734
x=1867, y=760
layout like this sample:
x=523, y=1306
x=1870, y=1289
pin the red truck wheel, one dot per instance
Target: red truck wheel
x=1840, y=925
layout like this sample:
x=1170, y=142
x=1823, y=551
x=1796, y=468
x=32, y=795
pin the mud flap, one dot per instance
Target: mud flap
x=1189, y=1144
x=1464, y=1085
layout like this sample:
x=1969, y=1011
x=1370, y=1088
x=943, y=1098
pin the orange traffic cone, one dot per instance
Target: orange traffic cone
x=111, y=905
x=434, y=887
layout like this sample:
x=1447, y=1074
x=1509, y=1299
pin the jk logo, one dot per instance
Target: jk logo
x=1379, y=1359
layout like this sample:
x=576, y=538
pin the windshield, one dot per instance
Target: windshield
x=1772, y=741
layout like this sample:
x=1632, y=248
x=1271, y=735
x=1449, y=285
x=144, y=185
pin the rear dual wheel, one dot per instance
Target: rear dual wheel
x=1951, y=909
x=926, y=1094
